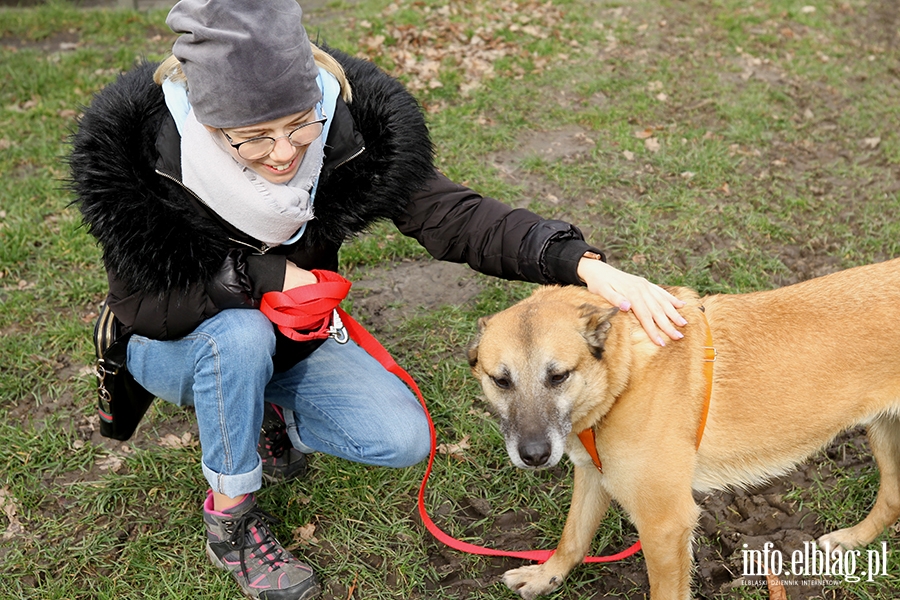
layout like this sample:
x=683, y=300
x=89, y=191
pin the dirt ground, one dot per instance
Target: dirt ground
x=729, y=521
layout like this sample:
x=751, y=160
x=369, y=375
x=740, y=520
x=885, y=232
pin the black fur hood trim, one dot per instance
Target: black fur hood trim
x=155, y=236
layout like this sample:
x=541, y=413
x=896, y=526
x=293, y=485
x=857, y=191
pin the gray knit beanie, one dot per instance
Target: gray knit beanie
x=246, y=61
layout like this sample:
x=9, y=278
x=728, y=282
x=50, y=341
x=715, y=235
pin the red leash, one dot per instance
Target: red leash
x=305, y=313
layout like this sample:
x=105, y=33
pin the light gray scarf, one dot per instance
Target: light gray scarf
x=270, y=212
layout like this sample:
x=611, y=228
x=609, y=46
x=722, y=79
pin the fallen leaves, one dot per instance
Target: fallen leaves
x=651, y=143
x=110, y=462
x=464, y=39
x=171, y=440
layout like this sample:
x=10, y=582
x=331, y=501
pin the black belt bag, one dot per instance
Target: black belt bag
x=121, y=401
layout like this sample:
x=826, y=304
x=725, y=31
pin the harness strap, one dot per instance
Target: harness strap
x=588, y=436
x=709, y=357
x=309, y=309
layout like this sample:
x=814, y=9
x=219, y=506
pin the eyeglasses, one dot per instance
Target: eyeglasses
x=258, y=147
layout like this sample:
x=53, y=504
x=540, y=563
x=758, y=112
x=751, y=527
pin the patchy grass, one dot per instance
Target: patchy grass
x=725, y=145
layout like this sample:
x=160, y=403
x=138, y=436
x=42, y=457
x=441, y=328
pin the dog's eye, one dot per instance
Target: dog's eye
x=501, y=382
x=558, y=378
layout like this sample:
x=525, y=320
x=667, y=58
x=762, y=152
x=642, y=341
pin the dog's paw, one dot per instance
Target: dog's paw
x=532, y=581
x=842, y=539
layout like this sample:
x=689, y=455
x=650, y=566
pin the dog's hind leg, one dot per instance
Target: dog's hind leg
x=884, y=439
x=589, y=504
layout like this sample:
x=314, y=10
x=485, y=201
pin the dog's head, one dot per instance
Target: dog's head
x=541, y=364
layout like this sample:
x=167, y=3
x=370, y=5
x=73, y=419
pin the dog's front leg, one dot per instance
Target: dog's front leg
x=589, y=503
x=665, y=520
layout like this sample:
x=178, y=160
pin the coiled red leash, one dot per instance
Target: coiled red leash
x=311, y=312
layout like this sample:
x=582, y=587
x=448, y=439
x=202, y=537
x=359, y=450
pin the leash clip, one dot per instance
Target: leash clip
x=337, y=329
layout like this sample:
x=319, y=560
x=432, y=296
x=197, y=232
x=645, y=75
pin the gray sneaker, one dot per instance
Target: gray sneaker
x=280, y=460
x=239, y=541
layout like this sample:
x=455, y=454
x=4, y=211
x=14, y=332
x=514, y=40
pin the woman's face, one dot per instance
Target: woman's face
x=280, y=165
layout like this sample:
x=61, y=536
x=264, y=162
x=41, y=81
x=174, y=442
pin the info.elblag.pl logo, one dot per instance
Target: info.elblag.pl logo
x=813, y=561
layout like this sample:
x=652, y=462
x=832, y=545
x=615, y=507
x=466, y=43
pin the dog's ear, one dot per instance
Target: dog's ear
x=595, y=326
x=472, y=350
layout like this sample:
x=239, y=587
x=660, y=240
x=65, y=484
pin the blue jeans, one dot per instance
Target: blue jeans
x=339, y=400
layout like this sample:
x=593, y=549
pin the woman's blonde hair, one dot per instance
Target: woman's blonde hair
x=171, y=69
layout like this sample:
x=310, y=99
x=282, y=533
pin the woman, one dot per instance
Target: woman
x=241, y=167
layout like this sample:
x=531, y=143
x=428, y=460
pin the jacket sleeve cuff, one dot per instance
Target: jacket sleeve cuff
x=266, y=271
x=561, y=260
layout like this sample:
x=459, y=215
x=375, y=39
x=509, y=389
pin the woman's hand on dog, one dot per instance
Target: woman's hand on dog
x=655, y=308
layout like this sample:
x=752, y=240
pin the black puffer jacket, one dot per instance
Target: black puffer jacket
x=172, y=263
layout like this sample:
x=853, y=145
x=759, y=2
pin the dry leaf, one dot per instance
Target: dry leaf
x=455, y=449
x=872, y=142
x=9, y=508
x=643, y=135
x=111, y=462
x=305, y=534
x=776, y=588
x=352, y=588
x=652, y=144
x=629, y=155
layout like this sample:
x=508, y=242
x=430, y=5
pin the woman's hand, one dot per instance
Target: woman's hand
x=295, y=277
x=654, y=307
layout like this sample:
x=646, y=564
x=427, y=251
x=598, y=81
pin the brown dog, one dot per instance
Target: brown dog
x=794, y=368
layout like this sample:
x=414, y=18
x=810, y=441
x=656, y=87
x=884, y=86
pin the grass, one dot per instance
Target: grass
x=776, y=160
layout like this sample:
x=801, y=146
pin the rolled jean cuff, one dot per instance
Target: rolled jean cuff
x=293, y=435
x=234, y=485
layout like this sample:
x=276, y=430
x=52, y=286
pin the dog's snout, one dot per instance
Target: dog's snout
x=535, y=453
